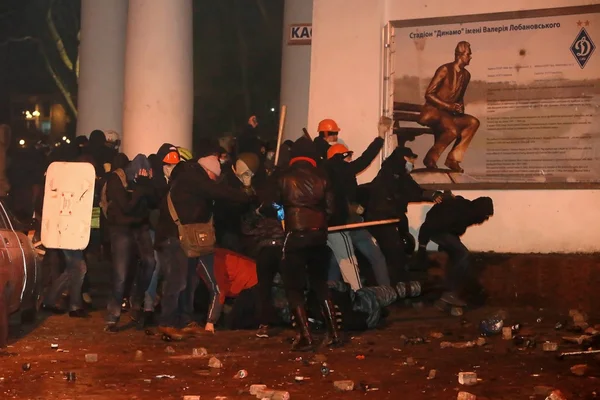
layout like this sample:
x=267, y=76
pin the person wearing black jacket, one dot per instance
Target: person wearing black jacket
x=342, y=172
x=193, y=190
x=306, y=195
x=389, y=194
x=444, y=224
x=129, y=203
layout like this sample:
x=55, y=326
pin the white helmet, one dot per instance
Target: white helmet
x=112, y=138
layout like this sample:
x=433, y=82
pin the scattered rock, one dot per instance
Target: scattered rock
x=579, y=369
x=410, y=361
x=26, y=367
x=507, y=333
x=170, y=350
x=91, y=358
x=466, y=396
x=436, y=335
x=191, y=397
x=467, y=378
x=199, y=352
x=280, y=395
x=550, y=346
x=556, y=395
x=139, y=355
x=481, y=341
x=344, y=386
x=214, y=362
x=542, y=390
x=254, y=389
x=432, y=374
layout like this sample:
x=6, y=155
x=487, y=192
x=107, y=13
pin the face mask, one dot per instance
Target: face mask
x=246, y=179
x=270, y=155
x=409, y=166
x=222, y=161
x=167, y=169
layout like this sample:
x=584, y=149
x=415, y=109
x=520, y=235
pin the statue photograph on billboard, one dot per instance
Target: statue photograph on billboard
x=500, y=99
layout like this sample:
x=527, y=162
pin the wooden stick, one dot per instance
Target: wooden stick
x=362, y=225
x=280, y=134
x=306, y=133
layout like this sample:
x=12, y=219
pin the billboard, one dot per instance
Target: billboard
x=510, y=98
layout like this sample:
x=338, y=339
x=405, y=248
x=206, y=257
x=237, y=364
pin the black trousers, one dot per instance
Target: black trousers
x=300, y=263
x=388, y=238
x=267, y=266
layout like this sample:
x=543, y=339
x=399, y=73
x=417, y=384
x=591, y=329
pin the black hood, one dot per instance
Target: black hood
x=97, y=138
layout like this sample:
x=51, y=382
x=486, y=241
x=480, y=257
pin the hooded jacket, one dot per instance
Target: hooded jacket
x=454, y=215
x=343, y=178
x=193, y=194
x=102, y=154
x=393, y=188
x=129, y=206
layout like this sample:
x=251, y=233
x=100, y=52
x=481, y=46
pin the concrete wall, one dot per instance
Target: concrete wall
x=295, y=70
x=345, y=84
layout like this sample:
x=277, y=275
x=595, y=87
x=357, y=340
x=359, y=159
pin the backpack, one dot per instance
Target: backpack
x=104, y=203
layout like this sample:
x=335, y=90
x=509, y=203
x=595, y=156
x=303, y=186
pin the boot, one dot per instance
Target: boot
x=304, y=340
x=333, y=337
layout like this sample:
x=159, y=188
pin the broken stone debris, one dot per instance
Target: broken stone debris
x=91, y=358
x=579, y=369
x=169, y=350
x=457, y=345
x=466, y=396
x=199, y=352
x=344, y=386
x=436, y=335
x=467, y=378
x=214, y=362
x=191, y=397
x=507, y=333
x=556, y=395
x=254, y=389
x=550, y=346
x=139, y=355
x=272, y=394
x=432, y=374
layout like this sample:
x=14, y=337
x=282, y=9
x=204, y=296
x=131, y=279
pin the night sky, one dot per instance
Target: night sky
x=237, y=58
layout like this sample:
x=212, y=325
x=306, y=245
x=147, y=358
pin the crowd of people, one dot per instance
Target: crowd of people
x=256, y=228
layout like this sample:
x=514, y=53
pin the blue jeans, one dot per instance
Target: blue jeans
x=180, y=284
x=122, y=241
x=151, y=293
x=458, y=267
x=71, y=278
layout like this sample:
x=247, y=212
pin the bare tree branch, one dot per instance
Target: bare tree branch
x=60, y=46
x=263, y=10
x=20, y=39
x=59, y=82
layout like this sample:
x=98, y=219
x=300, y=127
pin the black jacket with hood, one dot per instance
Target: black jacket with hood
x=102, y=154
x=454, y=215
x=193, y=194
x=343, y=177
x=393, y=188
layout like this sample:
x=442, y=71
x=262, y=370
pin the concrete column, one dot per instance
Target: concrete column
x=101, y=65
x=295, y=70
x=158, y=76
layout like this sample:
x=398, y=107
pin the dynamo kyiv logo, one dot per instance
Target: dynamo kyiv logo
x=583, y=48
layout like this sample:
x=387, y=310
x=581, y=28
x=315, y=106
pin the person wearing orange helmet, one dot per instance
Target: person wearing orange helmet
x=342, y=172
x=328, y=134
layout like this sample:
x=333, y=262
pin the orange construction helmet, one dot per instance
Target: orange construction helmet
x=172, y=158
x=338, y=148
x=328, y=125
